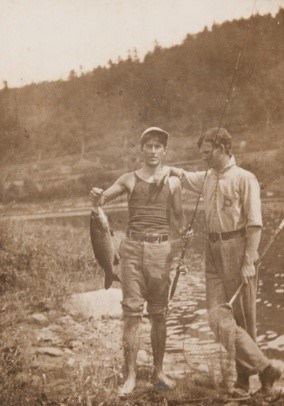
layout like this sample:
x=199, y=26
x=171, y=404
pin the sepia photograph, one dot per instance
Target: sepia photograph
x=141, y=202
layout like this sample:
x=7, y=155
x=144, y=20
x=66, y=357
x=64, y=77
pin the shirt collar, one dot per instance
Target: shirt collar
x=230, y=164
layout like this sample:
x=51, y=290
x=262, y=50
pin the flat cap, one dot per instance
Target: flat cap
x=163, y=135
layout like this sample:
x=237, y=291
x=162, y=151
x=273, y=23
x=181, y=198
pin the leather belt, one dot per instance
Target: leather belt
x=147, y=237
x=214, y=237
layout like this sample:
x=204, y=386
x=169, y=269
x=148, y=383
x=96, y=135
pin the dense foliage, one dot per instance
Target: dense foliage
x=182, y=88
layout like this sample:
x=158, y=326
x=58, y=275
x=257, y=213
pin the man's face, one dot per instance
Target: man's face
x=212, y=158
x=153, y=152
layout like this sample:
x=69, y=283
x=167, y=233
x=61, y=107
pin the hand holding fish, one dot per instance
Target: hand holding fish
x=96, y=196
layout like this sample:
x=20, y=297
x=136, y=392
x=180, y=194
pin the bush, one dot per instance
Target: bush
x=268, y=169
x=44, y=261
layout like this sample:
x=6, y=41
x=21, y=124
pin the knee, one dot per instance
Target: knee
x=132, y=307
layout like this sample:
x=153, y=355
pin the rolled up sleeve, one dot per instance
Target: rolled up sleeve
x=250, y=195
x=193, y=181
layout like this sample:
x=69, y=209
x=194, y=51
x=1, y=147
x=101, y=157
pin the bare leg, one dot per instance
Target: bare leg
x=158, y=340
x=131, y=346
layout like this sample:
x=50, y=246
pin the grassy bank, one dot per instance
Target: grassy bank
x=73, y=177
x=41, y=265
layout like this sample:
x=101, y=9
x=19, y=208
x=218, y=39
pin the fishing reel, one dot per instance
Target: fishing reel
x=182, y=268
x=188, y=234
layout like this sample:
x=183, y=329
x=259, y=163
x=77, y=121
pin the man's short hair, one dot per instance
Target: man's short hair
x=217, y=137
x=161, y=135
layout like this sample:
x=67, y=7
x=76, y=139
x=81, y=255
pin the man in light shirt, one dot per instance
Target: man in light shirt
x=233, y=220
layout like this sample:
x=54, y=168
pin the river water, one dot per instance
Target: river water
x=190, y=344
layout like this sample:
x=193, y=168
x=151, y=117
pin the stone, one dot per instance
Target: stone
x=39, y=318
x=66, y=320
x=71, y=362
x=52, y=351
x=45, y=334
x=77, y=345
x=97, y=303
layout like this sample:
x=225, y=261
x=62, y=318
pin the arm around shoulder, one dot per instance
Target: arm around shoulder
x=175, y=188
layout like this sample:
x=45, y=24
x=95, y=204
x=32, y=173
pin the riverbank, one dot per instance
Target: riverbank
x=54, y=357
x=80, y=207
x=52, y=354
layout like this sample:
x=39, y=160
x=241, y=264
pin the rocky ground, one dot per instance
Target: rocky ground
x=71, y=357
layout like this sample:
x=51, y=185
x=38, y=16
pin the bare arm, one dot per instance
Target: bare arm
x=166, y=171
x=192, y=181
x=120, y=186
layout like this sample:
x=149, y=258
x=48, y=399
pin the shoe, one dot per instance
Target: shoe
x=242, y=383
x=268, y=376
x=239, y=394
x=270, y=396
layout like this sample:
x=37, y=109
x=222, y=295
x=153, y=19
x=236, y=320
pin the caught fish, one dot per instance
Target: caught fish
x=103, y=247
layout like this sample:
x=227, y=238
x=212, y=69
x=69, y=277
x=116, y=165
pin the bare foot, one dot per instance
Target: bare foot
x=127, y=388
x=163, y=382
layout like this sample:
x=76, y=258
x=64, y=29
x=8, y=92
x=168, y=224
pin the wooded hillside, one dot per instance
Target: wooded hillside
x=182, y=88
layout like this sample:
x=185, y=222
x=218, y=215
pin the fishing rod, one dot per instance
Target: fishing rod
x=225, y=110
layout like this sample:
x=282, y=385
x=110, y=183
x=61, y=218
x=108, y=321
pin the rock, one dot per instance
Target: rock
x=201, y=312
x=39, y=318
x=68, y=351
x=52, y=351
x=202, y=367
x=45, y=334
x=52, y=314
x=66, y=320
x=97, y=303
x=71, y=362
x=77, y=345
x=277, y=344
x=55, y=327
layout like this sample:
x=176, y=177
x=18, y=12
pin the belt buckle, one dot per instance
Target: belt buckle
x=153, y=237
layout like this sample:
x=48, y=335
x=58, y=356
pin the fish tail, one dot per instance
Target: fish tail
x=109, y=279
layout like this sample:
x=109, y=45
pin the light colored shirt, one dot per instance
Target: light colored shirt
x=231, y=197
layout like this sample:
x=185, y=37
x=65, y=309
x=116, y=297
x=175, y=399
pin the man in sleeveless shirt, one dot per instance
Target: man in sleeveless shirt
x=233, y=219
x=146, y=252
